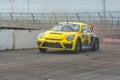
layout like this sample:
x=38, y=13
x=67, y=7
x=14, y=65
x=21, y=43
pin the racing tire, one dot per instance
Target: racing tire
x=78, y=46
x=42, y=50
x=95, y=46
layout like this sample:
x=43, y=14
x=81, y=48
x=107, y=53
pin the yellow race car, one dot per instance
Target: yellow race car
x=72, y=36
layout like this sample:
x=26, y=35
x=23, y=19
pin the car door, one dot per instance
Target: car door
x=86, y=36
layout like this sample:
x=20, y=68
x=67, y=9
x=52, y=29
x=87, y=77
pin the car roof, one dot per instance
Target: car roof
x=79, y=23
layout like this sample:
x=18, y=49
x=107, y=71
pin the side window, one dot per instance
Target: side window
x=75, y=27
x=86, y=29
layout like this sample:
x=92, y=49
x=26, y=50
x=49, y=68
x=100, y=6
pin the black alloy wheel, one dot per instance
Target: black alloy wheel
x=78, y=46
x=95, y=45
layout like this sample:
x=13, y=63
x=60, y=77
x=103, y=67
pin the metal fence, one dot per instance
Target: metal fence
x=110, y=22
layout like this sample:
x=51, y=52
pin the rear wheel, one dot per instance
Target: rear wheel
x=95, y=45
x=77, y=46
x=42, y=50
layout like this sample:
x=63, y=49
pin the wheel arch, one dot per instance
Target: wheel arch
x=74, y=43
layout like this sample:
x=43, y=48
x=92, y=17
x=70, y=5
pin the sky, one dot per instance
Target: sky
x=59, y=5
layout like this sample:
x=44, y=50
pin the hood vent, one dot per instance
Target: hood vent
x=55, y=33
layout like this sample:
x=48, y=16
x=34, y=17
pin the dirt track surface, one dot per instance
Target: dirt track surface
x=61, y=65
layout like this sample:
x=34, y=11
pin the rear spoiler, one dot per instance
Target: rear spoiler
x=92, y=26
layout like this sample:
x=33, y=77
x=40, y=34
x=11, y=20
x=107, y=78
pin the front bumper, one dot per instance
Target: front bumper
x=55, y=45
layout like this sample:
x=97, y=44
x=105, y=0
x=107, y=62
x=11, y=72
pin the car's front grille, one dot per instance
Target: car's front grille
x=68, y=45
x=53, y=39
x=52, y=45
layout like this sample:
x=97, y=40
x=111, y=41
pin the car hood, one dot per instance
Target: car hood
x=57, y=35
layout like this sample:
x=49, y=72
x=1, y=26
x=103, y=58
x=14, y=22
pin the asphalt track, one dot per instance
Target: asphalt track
x=61, y=65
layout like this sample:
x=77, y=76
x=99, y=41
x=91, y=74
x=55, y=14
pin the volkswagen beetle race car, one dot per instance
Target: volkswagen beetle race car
x=72, y=36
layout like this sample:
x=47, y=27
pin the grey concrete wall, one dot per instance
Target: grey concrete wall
x=6, y=39
x=25, y=39
x=18, y=39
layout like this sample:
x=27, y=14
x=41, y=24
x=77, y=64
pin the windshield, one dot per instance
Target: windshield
x=66, y=27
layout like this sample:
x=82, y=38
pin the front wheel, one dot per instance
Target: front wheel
x=95, y=45
x=42, y=50
x=77, y=46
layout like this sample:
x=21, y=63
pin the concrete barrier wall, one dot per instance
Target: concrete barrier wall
x=25, y=39
x=18, y=39
x=6, y=39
